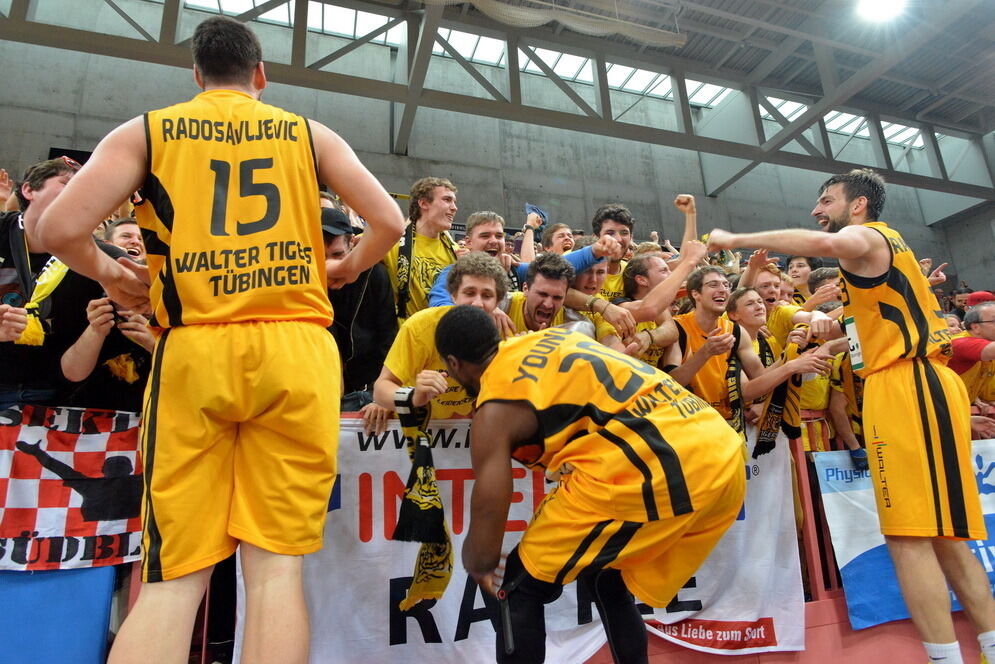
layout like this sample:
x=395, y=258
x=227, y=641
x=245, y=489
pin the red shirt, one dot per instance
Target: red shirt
x=967, y=352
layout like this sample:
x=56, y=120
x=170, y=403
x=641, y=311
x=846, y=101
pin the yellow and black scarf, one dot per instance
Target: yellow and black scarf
x=781, y=407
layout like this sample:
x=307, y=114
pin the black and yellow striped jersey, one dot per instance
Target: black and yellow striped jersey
x=634, y=438
x=230, y=214
x=894, y=316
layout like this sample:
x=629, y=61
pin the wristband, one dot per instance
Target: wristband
x=650, y=335
x=590, y=302
x=403, y=399
x=607, y=303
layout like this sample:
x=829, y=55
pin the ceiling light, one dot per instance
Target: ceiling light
x=880, y=10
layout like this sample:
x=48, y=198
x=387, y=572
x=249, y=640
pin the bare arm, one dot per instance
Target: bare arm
x=339, y=168
x=685, y=203
x=113, y=172
x=852, y=243
x=528, y=252
x=497, y=427
x=660, y=297
x=79, y=359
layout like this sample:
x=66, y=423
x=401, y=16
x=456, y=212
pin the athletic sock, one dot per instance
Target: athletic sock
x=987, y=642
x=943, y=653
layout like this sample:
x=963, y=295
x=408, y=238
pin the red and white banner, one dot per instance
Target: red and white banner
x=70, y=488
x=746, y=598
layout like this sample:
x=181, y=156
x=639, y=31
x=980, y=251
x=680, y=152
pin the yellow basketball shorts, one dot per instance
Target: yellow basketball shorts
x=918, y=434
x=239, y=438
x=656, y=558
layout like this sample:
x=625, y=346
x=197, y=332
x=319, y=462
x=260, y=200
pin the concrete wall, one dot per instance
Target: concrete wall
x=61, y=98
x=972, y=241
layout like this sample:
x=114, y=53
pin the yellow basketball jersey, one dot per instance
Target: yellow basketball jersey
x=635, y=439
x=231, y=213
x=895, y=316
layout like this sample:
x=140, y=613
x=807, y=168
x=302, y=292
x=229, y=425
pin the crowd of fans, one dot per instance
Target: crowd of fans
x=733, y=331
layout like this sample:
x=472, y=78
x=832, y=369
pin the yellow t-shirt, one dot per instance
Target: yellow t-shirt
x=429, y=257
x=230, y=210
x=612, y=288
x=516, y=312
x=414, y=351
x=779, y=322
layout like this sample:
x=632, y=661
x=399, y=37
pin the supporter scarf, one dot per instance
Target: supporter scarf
x=422, y=518
x=50, y=276
x=734, y=384
x=766, y=352
x=781, y=409
x=404, y=253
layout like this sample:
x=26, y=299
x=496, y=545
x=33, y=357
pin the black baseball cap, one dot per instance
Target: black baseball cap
x=335, y=222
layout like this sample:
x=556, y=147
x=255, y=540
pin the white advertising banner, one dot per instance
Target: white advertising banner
x=746, y=598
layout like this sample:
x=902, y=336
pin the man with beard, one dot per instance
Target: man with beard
x=540, y=302
x=916, y=413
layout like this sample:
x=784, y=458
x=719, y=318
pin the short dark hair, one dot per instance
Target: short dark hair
x=478, y=264
x=637, y=267
x=813, y=263
x=697, y=278
x=612, y=212
x=112, y=227
x=550, y=265
x=547, y=235
x=816, y=277
x=225, y=50
x=973, y=315
x=861, y=182
x=423, y=189
x=36, y=174
x=467, y=333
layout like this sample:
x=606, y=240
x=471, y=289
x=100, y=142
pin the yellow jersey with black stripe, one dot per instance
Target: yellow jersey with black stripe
x=634, y=439
x=230, y=214
x=895, y=316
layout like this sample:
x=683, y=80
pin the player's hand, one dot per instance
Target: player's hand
x=937, y=276
x=375, y=418
x=136, y=328
x=505, y=326
x=693, y=251
x=720, y=239
x=685, y=203
x=340, y=271
x=100, y=314
x=718, y=343
x=859, y=458
x=428, y=385
x=982, y=428
x=810, y=362
x=13, y=321
x=129, y=285
x=621, y=319
x=608, y=247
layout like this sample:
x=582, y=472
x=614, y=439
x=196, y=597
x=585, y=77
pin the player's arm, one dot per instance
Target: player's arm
x=113, y=172
x=850, y=243
x=340, y=168
x=497, y=428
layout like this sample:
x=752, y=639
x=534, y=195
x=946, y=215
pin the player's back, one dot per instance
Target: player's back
x=231, y=200
x=641, y=446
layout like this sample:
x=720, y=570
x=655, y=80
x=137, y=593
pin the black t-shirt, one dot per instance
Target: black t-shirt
x=27, y=367
x=106, y=386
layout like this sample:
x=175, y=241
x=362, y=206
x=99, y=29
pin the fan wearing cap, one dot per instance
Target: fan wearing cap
x=29, y=370
x=363, y=327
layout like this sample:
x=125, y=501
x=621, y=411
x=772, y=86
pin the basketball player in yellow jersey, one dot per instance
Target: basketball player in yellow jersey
x=641, y=500
x=916, y=414
x=240, y=420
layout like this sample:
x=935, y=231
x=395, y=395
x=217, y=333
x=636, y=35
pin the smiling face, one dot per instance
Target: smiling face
x=832, y=211
x=487, y=237
x=750, y=310
x=129, y=238
x=714, y=294
x=798, y=270
x=543, y=299
x=439, y=212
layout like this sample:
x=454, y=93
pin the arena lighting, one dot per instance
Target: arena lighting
x=880, y=10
